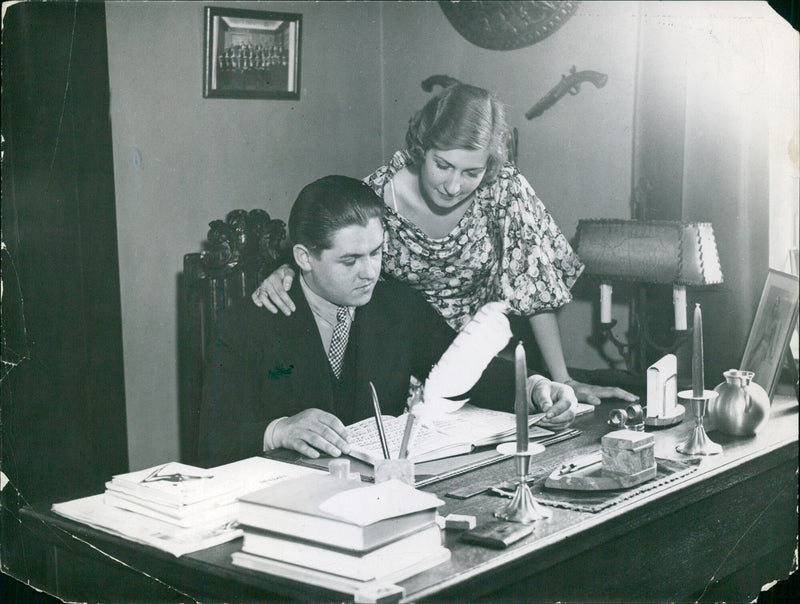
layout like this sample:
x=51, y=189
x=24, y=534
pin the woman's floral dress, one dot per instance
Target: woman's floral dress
x=506, y=247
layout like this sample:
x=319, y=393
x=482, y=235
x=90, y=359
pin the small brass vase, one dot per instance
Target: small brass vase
x=742, y=406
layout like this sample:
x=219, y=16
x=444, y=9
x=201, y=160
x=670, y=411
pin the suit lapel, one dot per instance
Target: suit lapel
x=370, y=364
x=311, y=383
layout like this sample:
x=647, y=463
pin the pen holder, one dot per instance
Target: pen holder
x=523, y=507
x=401, y=469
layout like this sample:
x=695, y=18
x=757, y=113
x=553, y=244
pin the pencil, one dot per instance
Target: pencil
x=581, y=463
x=535, y=421
x=379, y=422
x=406, y=436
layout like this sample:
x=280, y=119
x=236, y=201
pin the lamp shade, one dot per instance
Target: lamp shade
x=649, y=251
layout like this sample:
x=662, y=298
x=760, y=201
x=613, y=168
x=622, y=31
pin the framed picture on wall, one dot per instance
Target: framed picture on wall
x=776, y=317
x=251, y=54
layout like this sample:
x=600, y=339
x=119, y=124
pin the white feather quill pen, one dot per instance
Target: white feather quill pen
x=465, y=360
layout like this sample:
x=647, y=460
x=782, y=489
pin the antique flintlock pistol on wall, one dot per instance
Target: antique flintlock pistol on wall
x=569, y=84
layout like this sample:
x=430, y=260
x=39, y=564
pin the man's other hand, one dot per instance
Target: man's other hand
x=557, y=401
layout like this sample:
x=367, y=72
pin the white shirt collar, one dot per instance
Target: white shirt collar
x=321, y=307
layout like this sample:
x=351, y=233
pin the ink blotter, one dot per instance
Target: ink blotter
x=497, y=534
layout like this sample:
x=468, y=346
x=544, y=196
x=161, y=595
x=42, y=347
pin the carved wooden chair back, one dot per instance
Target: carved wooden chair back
x=239, y=253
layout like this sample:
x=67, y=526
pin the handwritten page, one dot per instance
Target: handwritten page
x=454, y=434
x=485, y=426
x=365, y=442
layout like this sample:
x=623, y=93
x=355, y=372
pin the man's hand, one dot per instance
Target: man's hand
x=271, y=294
x=557, y=401
x=312, y=429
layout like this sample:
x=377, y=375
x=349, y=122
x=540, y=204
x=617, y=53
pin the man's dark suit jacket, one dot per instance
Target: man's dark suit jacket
x=264, y=366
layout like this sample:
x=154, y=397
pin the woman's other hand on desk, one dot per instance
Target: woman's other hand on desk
x=593, y=395
x=312, y=429
x=557, y=401
x=273, y=295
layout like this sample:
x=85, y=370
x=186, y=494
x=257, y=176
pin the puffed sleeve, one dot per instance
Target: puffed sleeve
x=537, y=265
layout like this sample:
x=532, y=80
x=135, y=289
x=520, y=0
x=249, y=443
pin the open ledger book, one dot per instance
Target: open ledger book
x=454, y=434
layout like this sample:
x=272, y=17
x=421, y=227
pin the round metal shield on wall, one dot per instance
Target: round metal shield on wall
x=497, y=25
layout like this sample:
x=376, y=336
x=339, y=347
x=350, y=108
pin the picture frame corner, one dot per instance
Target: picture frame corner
x=771, y=330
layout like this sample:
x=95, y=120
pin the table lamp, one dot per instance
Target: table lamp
x=646, y=252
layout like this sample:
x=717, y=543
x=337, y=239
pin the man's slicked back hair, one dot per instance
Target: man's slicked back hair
x=328, y=205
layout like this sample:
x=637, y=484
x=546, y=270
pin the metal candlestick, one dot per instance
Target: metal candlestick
x=698, y=442
x=523, y=507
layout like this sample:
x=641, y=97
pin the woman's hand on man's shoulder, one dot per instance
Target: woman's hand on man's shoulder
x=273, y=294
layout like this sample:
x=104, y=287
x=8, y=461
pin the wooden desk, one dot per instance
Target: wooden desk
x=719, y=533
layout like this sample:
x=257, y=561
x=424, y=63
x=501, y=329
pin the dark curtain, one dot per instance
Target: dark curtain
x=63, y=423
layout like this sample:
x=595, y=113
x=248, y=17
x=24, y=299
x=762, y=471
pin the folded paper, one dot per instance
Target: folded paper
x=662, y=387
x=370, y=504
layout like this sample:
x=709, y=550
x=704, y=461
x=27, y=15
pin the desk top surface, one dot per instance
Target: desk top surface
x=780, y=433
x=775, y=443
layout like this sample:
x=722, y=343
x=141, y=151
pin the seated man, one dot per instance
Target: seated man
x=295, y=382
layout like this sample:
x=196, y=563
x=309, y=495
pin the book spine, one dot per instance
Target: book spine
x=301, y=526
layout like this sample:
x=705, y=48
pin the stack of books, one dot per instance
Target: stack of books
x=340, y=534
x=176, y=507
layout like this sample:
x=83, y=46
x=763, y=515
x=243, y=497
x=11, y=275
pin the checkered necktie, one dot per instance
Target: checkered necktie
x=339, y=340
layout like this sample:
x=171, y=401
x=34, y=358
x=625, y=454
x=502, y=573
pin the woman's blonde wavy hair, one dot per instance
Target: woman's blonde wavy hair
x=461, y=116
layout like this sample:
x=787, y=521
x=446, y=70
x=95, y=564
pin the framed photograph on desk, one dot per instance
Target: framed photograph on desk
x=251, y=54
x=776, y=317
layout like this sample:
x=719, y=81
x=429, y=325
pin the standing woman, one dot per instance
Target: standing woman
x=464, y=227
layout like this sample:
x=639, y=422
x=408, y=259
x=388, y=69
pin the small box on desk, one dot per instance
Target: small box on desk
x=629, y=453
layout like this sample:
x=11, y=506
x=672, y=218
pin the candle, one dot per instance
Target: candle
x=679, y=302
x=698, y=385
x=521, y=398
x=605, y=302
